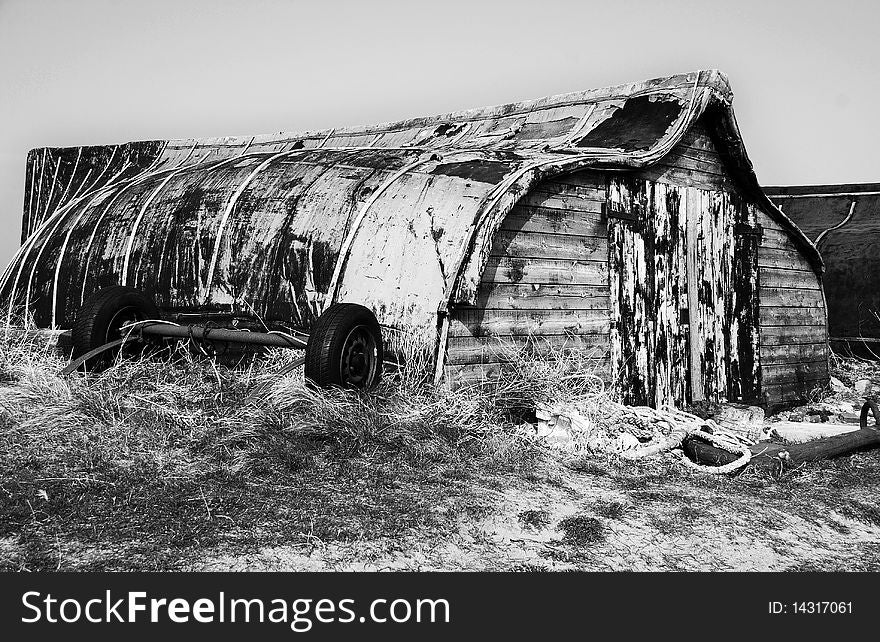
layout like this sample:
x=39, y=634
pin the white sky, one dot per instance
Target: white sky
x=805, y=74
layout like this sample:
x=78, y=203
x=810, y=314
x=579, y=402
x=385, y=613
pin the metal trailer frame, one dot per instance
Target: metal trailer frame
x=168, y=330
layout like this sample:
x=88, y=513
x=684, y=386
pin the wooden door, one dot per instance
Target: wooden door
x=683, y=280
x=646, y=250
x=722, y=284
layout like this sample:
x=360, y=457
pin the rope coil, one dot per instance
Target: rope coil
x=603, y=427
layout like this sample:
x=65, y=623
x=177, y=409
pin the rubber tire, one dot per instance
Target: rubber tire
x=326, y=340
x=94, y=316
x=870, y=406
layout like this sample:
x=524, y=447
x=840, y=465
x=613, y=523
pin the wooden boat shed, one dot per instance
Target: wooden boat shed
x=624, y=222
x=843, y=221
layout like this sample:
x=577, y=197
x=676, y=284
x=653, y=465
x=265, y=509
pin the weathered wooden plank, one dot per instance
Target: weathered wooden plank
x=795, y=279
x=470, y=374
x=531, y=245
x=696, y=163
x=706, y=155
x=564, y=200
x=545, y=286
x=795, y=372
x=697, y=138
x=526, y=218
x=785, y=335
x=715, y=290
x=772, y=297
x=532, y=322
x=788, y=316
x=793, y=353
x=676, y=176
x=631, y=284
x=772, y=224
x=784, y=258
x=464, y=350
x=560, y=199
x=545, y=271
x=543, y=297
x=670, y=296
x=775, y=238
x=744, y=336
x=586, y=181
x=787, y=392
x=693, y=208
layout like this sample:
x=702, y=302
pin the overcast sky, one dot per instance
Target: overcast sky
x=84, y=72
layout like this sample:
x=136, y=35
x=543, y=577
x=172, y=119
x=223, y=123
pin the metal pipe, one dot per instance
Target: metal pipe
x=220, y=334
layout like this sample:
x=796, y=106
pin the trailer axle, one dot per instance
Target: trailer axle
x=206, y=333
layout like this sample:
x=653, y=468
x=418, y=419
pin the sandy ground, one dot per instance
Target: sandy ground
x=745, y=524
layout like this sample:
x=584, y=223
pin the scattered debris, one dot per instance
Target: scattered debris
x=837, y=385
x=793, y=432
x=727, y=439
x=747, y=420
x=635, y=432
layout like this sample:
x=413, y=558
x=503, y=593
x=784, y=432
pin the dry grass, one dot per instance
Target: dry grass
x=160, y=457
x=153, y=463
x=582, y=530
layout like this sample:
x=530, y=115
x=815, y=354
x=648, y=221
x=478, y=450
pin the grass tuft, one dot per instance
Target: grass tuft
x=582, y=530
x=156, y=455
x=534, y=519
x=610, y=510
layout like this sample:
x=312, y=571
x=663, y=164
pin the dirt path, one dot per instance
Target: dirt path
x=608, y=517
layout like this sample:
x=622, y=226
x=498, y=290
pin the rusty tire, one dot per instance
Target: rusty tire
x=100, y=317
x=345, y=348
x=870, y=406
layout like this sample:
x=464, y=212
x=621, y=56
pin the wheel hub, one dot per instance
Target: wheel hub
x=122, y=317
x=358, y=365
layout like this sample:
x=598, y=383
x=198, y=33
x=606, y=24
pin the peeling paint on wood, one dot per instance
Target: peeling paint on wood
x=608, y=216
x=686, y=322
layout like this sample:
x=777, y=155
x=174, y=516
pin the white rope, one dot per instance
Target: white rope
x=725, y=444
x=679, y=426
